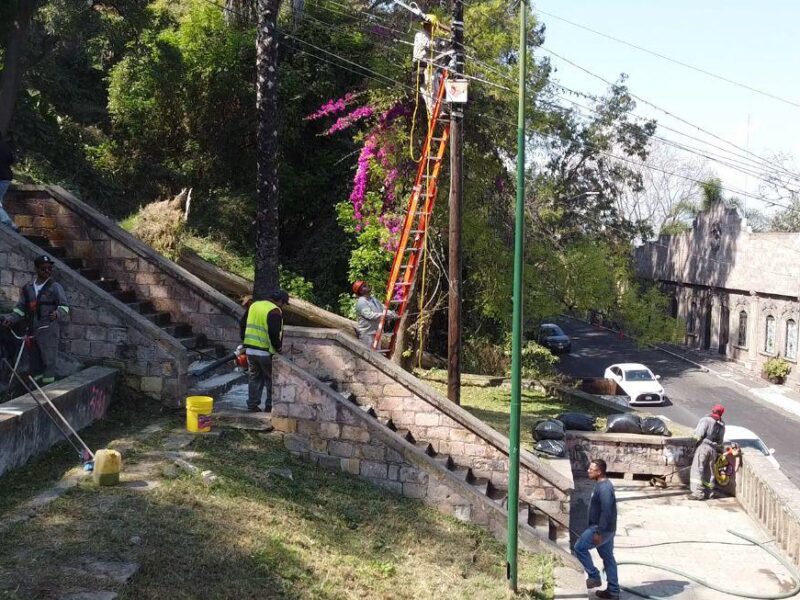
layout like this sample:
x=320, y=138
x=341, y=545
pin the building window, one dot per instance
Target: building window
x=690, y=317
x=791, y=339
x=769, y=336
x=741, y=340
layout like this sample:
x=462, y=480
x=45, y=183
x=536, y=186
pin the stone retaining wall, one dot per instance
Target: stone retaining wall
x=772, y=500
x=395, y=394
x=631, y=454
x=26, y=431
x=101, y=329
x=319, y=424
x=85, y=233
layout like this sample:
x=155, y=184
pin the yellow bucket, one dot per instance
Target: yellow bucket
x=198, y=413
x=107, y=465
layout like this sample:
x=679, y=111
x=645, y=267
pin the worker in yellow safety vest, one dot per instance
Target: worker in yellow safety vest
x=263, y=336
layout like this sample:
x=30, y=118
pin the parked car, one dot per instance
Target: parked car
x=552, y=337
x=638, y=382
x=749, y=442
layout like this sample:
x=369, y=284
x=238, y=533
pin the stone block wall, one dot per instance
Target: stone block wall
x=100, y=329
x=26, y=431
x=631, y=454
x=318, y=424
x=395, y=394
x=772, y=500
x=85, y=233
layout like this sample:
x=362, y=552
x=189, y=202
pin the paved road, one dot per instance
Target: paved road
x=691, y=391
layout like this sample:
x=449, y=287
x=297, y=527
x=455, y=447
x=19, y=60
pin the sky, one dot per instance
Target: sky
x=755, y=43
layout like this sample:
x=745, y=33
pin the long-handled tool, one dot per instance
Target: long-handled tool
x=81, y=452
x=25, y=340
x=49, y=402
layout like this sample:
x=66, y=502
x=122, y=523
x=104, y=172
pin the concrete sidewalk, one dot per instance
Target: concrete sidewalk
x=663, y=527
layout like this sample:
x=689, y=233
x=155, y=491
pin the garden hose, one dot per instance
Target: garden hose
x=752, y=596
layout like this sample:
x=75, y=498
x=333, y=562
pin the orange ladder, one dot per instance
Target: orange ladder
x=407, y=257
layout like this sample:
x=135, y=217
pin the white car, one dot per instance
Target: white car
x=638, y=382
x=749, y=442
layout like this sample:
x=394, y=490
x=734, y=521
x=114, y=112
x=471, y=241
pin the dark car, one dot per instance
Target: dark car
x=553, y=338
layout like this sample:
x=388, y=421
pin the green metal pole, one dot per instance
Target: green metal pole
x=516, y=333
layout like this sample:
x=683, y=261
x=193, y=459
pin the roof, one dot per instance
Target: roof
x=629, y=366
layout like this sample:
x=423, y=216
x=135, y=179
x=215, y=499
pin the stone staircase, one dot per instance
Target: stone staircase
x=195, y=343
x=199, y=351
x=546, y=526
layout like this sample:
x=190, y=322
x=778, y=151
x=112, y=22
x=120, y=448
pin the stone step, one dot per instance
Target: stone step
x=39, y=240
x=231, y=410
x=207, y=352
x=191, y=341
x=125, y=296
x=159, y=318
x=142, y=307
x=109, y=285
x=217, y=385
x=90, y=273
x=73, y=263
x=56, y=251
x=179, y=330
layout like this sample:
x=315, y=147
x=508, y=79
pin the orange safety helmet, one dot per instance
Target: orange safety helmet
x=357, y=286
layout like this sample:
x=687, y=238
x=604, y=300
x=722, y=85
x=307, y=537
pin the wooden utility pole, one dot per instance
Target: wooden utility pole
x=266, y=276
x=456, y=205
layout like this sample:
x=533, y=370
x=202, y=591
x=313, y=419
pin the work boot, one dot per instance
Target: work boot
x=693, y=497
x=606, y=594
x=591, y=582
x=268, y=409
x=253, y=409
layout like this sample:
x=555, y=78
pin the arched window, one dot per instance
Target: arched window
x=791, y=339
x=690, y=317
x=769, y=335
x=741, y=339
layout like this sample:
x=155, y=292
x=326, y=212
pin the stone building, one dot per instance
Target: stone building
x=737, y=291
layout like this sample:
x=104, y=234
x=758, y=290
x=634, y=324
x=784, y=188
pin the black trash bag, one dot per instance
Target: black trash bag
x=552, y=447
x=655, y=426
x=624, y=424
x=549, y=429
x=577, y=421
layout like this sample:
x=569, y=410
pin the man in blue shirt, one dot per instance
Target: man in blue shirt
x=600, y=533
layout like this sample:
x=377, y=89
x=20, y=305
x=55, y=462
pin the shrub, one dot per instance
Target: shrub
x=776, y=368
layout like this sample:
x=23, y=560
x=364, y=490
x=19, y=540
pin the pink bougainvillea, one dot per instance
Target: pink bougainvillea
x=361, y=178
x=342, y=123
x=332, y=107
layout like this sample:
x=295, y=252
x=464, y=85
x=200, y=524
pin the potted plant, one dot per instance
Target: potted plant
x=775, y=370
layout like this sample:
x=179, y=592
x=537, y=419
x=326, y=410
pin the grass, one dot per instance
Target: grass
x=253, y=534
x=491, y=405
x=215, y=252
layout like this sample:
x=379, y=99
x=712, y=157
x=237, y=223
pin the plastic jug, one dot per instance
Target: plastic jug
x=107, y=465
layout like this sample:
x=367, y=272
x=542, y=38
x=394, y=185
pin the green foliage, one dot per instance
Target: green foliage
x=537, y=361
x=776, y=368
x=644, y=315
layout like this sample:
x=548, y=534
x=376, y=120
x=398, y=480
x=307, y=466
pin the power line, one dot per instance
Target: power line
x=658, y=108
x=669, y=59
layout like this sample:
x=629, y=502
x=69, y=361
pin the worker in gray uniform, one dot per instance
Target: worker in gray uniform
x=708, y=436
x=42, y=305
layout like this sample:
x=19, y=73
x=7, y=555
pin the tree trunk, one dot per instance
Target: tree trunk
x=240, y=13
x=266, y=277
x=11, y=77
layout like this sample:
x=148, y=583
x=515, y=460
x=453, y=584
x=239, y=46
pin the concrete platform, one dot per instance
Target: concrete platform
x=231, y=411
x=663, y=527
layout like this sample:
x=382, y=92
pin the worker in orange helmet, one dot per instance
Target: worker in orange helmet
x=369, y=312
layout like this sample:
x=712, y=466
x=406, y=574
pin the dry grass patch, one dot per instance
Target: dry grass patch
x=258, y=534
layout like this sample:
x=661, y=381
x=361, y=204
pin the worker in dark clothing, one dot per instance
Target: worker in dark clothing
x=263, y=337
x=600, y=533
x=43, y=305
x=708, y=437
x=6, y=160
